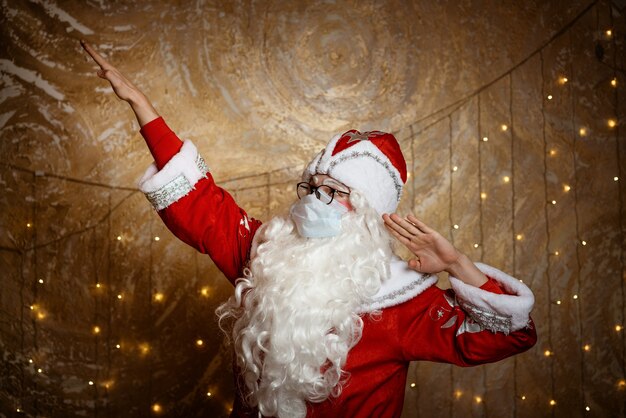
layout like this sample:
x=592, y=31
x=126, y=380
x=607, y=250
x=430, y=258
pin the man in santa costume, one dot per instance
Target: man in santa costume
x=325, y=319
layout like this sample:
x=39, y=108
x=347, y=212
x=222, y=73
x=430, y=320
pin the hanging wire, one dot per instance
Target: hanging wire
x=620, y=197
x=96, y=378
x=547, y=222
x=451, y=233
x=109, y=310
x=576, y=219
x=513, y=229
x=481, y=245
x=150, y=314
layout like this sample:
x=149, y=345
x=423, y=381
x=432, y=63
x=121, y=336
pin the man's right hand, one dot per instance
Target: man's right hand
x=123, y=88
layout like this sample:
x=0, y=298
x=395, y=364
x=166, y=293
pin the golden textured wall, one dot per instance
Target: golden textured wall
x=501, y=107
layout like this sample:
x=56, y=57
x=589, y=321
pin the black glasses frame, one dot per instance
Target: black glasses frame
x=315, y=189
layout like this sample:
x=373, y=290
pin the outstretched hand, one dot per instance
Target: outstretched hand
x=122, y=87
x=433, y=253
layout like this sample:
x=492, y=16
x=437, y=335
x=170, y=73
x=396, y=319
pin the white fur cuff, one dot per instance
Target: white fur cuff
x=496, y=312
x=176, y=179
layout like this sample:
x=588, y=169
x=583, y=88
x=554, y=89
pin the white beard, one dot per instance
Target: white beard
x=296, y=310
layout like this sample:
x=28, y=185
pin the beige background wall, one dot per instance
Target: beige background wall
x=259, y=87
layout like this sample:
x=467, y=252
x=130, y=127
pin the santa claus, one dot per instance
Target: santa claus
x=324, y=318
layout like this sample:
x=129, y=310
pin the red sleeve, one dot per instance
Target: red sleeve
x=433, y=327
x=207, y=218
x=162, y=141
x=492, y=286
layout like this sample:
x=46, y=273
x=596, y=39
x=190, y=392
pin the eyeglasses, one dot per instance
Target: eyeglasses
x=324, y=193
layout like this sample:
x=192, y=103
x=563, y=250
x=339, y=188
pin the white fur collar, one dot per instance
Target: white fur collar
x=403, y=285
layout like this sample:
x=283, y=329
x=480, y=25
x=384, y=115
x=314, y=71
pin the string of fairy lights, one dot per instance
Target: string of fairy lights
x=547, y=201
x=105, y=298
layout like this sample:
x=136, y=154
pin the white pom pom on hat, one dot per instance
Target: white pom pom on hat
x=370, y=162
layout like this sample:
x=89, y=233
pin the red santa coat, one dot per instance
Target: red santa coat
x=464, y=325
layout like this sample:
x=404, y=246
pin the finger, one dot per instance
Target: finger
x=96, y=57
x=408, y=226
x=393, y=225
x=414, y=264
x=403, y=240
x=419, y=224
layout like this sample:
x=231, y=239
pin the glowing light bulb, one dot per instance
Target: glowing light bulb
x=458, y=394
x=563, y=80
x=199, y=343
x=558, y=302
x=28, y=225
x=552, y=152
x=40, y=281
x=504, y=127
x=587, y=408
x=611, y=123
x=119, y=237
x=413, y=384
x=621, y=384
x=614, y=82
x=119, y=296
x=575, y=297
x=519, y=237
x=158, y=297
x=549, y=97
x=209, y=394
x=157, y=238
x=485, y=139
x=455, y=168
x=476, y=245
x=96, y=330
x=609, y=33
x=118, y=346
x=41, y=315
x=587, y=347
x=91, y=383
x=547, y=353
x=553, y=202
x=98, y=285
x=552, y=402
x=506, y=179
x=523, y=397
x=583, y=242
x=567, y=187
x=455, y=226
x=556, y=253
x=144, y=348
x=30, y=360
x=618, y=328
x=205, y=291
x=483, y=195
x=582, y=131
x=478, y=399
x=156, y=408
x=615, y=178
x=39, y=371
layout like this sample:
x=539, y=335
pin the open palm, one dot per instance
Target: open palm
x=433, y=253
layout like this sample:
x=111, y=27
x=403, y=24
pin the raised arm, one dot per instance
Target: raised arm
x=123, y=88
x=180, y=187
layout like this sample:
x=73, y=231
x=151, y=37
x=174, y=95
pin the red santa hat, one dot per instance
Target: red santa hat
x=370, y=162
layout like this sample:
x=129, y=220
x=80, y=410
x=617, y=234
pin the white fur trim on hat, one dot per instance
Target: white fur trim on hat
x=364, y=167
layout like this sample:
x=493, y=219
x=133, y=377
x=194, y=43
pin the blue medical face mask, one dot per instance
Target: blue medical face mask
x=315, y=219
